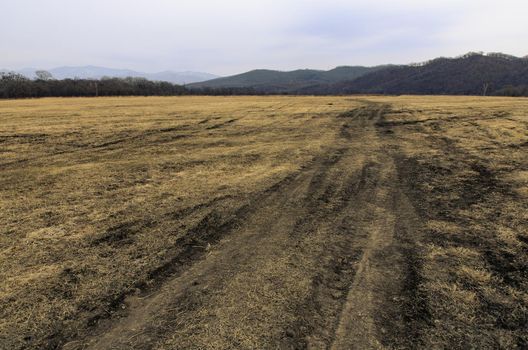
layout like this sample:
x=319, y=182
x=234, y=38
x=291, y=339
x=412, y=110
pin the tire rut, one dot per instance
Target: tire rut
x=308, y=264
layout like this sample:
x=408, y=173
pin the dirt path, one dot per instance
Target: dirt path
x=321, y=261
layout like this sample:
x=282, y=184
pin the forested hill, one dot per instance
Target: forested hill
x=470, y=74
x=272, y=81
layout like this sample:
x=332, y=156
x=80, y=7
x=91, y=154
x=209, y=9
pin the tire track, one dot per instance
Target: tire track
x=307, y=265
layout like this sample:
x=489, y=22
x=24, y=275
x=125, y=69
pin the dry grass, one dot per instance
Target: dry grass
x=466, y=161
x=95, y=193
x=98, y=197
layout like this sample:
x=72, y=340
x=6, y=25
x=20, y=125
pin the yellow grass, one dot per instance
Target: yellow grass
x=75, y=171
x=95, y=195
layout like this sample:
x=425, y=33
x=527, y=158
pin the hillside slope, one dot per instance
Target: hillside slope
x=271, y=81
x=471, y=74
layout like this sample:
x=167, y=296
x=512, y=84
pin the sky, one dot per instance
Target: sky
x=232, y=36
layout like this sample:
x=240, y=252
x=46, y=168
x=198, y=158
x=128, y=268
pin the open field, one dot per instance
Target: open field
x=264, y=222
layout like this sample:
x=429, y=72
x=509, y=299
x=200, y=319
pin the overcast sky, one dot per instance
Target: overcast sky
x=232, y=36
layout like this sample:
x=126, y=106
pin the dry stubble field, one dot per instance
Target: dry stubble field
x=264, y=222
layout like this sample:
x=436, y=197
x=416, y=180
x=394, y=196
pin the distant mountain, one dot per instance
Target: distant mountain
x=181, y=77
x=470, y=74
x=271, y=81
x=94, y=72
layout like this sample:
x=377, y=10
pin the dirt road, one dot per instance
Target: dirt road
x=321, y=260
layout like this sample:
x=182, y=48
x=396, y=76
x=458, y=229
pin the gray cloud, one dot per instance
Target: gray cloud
x=230, y=36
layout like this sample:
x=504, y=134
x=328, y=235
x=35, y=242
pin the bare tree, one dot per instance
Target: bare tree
x=485, y=89
x=43, y=75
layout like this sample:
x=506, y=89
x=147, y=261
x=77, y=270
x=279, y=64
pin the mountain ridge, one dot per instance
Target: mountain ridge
x=273, y=81
x=470, y=74
x=474, y=73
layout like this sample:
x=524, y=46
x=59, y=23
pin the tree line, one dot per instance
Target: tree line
x=14, y=85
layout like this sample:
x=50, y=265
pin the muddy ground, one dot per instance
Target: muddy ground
x=404, y=226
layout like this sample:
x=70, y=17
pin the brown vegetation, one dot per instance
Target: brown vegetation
x=264, y=222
